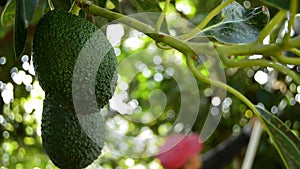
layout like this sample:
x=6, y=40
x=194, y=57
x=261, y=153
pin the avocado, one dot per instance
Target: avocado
x=74, y=62
x=72, y=141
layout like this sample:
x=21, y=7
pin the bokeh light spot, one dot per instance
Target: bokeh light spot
x=261, y=77
x=2, y=60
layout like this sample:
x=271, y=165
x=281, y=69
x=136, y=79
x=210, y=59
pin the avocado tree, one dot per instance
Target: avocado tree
x=183, y=66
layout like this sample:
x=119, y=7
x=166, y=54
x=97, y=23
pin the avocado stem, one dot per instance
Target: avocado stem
x=75, y=9
x=50, y=5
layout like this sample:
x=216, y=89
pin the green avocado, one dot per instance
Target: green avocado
x=71, y=141
x=74, y=62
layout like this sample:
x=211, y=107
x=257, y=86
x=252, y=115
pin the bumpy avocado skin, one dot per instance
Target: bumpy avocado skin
x=65, y=140
x=58, y=41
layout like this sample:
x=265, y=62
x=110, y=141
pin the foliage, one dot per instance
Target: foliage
x=239, y=25
x=283, y=139
x=256, y=72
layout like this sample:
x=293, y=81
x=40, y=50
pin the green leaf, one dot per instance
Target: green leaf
x=239, y=25
x=29, y=9
x=20, y=31
x=286, y=143
x=8, y=14
x=281, y=4
x=233, y=11
x=116, y=3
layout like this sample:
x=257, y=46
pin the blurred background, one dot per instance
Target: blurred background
x=21, y=99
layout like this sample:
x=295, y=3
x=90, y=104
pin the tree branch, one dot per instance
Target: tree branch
x=225, y=49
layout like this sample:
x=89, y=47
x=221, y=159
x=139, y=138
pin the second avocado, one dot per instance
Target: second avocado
x=71, y=141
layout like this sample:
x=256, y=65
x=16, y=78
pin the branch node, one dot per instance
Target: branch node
x=84, y=4
x=194, y=56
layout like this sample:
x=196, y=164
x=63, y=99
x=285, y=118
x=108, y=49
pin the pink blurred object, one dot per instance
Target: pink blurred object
x=177, y=149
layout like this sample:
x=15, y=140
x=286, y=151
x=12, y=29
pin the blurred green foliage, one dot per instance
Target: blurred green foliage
x=21, y=99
